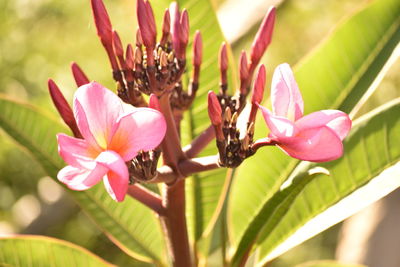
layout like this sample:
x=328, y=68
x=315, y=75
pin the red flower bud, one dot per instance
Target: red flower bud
x=258, y=87
x=166, y=22
x=79, y=76
x=176, y=29
x=197, y=49
x=184, y=22
x=146, y=23
x=154, y=103
x=243, y=67
x=63, y=107
x=129, y=59
x=102, y=21
x=223, y=58
x=263, y=37
x=214, y=109
x=117, y=44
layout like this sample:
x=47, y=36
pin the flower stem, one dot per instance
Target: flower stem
x=148, y=198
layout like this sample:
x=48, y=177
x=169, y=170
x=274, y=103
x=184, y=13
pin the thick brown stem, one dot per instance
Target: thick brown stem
x=174, y=224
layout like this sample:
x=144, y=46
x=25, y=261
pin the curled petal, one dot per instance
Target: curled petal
x=76, y=152
x=80, y=178
x=280, y=127
x=315, y=144
x=96, y=110
x=285, y=94
x=117, y=179
x=140, y=129
x=337, y=120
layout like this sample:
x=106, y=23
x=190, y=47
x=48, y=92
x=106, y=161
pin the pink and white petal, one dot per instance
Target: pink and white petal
x=142, y=129
x=117, y=178
x=79, y=178
x=115, y=186
x=96, y=110
x=337, y=120
x=285, y=94
x=280, y=127
x=314, y=144
x=76, y=152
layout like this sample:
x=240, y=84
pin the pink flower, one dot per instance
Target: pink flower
x=111, y=138
x=316, y=137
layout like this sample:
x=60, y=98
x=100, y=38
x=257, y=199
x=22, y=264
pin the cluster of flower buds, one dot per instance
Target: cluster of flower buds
x=151, y=66
x=224, y=109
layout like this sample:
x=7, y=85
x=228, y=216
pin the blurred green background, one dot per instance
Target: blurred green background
x=39, y=39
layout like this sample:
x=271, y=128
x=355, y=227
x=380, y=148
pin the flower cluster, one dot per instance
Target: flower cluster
x=120, y=139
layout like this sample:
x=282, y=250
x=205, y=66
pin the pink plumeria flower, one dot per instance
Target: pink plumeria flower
x=315, y=137
x=112, y=137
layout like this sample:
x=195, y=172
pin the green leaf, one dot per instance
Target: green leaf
x=359, y=178
x=334, y=75
x=130, y=225
x=327, y=263
x=206, y=190
x=25, y=250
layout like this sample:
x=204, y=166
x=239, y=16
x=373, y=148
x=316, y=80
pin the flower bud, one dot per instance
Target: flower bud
x=129, y=56
x=154, y=103
x=117, y=44
x=184, y=23
x=263, y=37
x=223, y=58
x=63, y=107
x=258, y=87
x=79, y=75
x=243, y=67
x=102, y=21
x=197, y=49
x=146, y=23
x=214, y=109
x=166, y=22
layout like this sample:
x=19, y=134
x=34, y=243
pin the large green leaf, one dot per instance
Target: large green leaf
x=327, y=263
x=355, y=181
x=25, y=250
x=204, y=191
x=334, y=75
x=132, y=226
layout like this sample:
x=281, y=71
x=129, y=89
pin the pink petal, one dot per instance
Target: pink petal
x=285, y=94
x=141, y=129
x=280, y=127
x=337, y=120
x=314, y=144
x=79, y=178
x=96, y=110
x=76, y=152
x=117, y=179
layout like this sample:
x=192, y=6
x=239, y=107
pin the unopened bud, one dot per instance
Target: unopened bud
x=166, y=22
x=129, y=59
x=139, y=40
x=146, y=23
x=102, y=21
x=176, y=30
x=138, y=55
x=243, y=67
x=63, y=107
x=263, y=37
x=197, y=49
x=258, y=87
x=184, y=21
x=154, y=103
x=79, y=76
x=117, y=44
x=214, y=109
x=223, y=58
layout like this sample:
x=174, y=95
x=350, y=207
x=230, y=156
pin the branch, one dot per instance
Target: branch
x=147, y=197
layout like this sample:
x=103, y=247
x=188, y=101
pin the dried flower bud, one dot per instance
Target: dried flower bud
x=214, y=109
x=117, y=44
x=102, y=21
x=223, y=58
x=227, y=115
x=163, y=59
x=129, y=59
x=154, y=103
x=197, y=49
x=63, y=107
x=243, y=67
x=259, y=84
x=263, y=37
x=79, y=76
x=147, y=24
